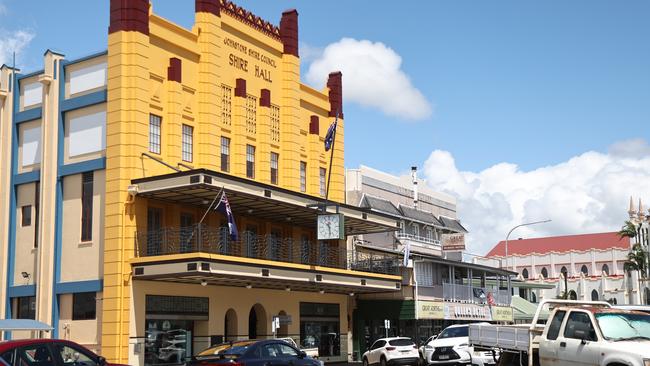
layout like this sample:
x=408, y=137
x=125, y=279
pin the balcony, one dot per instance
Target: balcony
x=419, y=244
x=214, y=240
x=463, y=294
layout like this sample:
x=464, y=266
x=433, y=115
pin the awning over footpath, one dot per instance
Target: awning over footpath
x=8, y=325
x=524, y=311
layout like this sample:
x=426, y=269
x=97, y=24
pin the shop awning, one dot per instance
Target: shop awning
x=23, y=324
x=199, y=187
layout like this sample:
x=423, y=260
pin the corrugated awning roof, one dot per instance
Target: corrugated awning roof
x=23, y=324
x=380, y=204
x=422, y=216
x=453, y=224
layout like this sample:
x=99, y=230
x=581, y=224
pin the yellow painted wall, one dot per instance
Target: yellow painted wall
x=82, y=261
x=138, y=87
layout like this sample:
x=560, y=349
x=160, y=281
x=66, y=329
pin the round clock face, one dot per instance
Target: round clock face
x=328, y=227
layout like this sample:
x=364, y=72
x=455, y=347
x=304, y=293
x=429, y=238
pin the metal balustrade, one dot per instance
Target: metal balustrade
x=214, y=240
x=422, y=239
x=471, y=294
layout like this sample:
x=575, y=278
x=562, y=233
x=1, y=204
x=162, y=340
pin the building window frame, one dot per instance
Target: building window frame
x=84, y=306
x=37, y=209
x=187, y=143
x=155, y=133
x=225, y=154
x=322, y=181
x=25, y=307
x=226, y=104
x=275, y=158
x=251, y=114
x=303, y=176
x=250, y=161
x=87, y=186
x=26, y=215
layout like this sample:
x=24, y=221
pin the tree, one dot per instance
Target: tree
x=628, y=230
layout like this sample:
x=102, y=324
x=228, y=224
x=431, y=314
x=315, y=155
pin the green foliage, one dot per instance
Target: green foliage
x=627, y=231
x=637, y=260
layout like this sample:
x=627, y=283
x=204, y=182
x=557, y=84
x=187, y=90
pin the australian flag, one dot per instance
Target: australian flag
x=331, y=132
x=224, y=207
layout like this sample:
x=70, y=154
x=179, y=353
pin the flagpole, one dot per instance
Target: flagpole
x=198, y=226
x=329, y=172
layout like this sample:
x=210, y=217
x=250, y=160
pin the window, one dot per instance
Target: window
x=87, y=206
x=84, y=305
x=579, y=326
x=73, y=356
x=37, y=207
x=250, y=161
x=274, y=168
x=35, y=355
x=86, y=131
x=226, y=105
x=286, y=351
x=564, y=272
x=594, y=295
x=584, y=270
x=26, y=307
x=321, y=181
x=154, y=133
x=26, y=215
x=416, y=229
x=378, y=344
x=303, y=176
x=225, y=154
x=524, y=273
x=251, y=114
x=544, y=273
x=573, y=295
x=275, y=123
x=429, y=234
x=605, y=269
x=401, y=227
x=187, y=142
x=556, y=323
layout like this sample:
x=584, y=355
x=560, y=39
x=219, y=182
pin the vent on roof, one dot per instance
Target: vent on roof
x=265, y=272
x=207, y=180
x=205, y=266
x=191, y=266
x=195, y=179
x=319, y=278
x=267, y=193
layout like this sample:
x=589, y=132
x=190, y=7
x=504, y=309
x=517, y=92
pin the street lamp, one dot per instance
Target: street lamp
x=513, y=229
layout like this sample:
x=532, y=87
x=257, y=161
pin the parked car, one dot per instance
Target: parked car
x=253, y=353
x=392, y=351
x=311, y=352
x=49, y=352
x=423, y=345
x=452, y=346
x=576, y=333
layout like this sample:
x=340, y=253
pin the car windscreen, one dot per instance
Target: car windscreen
x=401, y=342
x=454, y=332
x=624, y=326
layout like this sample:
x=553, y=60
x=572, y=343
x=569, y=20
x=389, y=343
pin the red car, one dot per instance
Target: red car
x=48, y=352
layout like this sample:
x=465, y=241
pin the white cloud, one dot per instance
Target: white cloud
x=372, y=77
x=13, y=41
x=586, y=194
x=309, y=53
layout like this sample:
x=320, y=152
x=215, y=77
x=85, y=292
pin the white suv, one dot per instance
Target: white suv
x=392, y=351
x=452, y=347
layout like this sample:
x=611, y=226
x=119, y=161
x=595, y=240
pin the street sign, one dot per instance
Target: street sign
x=285, y=319
x=387, y=326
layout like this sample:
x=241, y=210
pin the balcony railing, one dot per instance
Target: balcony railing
x=201, y=238
x=421, y=239
x=476, y=295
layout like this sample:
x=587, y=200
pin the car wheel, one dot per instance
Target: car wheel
x=365, y=361
x=382, y=361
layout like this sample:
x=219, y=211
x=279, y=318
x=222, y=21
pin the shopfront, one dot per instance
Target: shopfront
x=320, y=327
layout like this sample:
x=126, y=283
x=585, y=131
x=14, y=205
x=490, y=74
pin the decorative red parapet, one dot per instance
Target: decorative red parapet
x=335, y=85
x=208, y=6
x=129, y=15
x=289, y=31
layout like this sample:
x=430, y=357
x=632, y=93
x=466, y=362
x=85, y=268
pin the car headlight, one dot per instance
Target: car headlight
x=646, y=362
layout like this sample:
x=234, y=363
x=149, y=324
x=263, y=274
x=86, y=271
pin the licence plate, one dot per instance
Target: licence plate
x=405, y=351
x=443, y=357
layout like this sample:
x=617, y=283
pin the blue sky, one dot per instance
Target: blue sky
x=537, y=84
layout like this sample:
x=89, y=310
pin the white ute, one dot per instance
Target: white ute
x=578, y=333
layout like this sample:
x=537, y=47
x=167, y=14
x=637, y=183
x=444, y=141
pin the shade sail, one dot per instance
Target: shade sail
x=23, y=324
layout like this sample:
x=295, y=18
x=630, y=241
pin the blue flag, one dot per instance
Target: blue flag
x=331, y=132
x=224, y=207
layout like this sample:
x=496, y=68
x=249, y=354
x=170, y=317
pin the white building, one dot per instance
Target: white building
x=590, y=266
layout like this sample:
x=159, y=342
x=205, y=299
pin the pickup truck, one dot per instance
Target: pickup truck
x=577, y=333
x=311, y=352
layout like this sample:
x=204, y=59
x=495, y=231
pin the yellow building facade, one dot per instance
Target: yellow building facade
x=219, y=108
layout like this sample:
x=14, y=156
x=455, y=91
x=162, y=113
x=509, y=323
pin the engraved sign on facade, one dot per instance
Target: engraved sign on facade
x=453, y=242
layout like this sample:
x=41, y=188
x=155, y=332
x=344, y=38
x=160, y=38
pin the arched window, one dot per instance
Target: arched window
x=524, y=273
x=594, y=295
x=573, y=295
x=584, y=270
x=416, y=229
x=606, y=269
x=564, y=272
x=544, y=273
x=533, y=297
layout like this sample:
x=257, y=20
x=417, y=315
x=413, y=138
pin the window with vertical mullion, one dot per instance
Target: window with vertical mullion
x=322, y=182
x=274, y=168
x=225, y=154
x=303, y=176
x=187, y=143
x=154, y=133
x=250, y=161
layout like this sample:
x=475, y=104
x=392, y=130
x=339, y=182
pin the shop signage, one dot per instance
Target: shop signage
x=467, y=312
x=284, y=319
x=502, y=314
x=430, y=310
x=453, y=242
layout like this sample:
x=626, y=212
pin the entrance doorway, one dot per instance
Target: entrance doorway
x=257, y=322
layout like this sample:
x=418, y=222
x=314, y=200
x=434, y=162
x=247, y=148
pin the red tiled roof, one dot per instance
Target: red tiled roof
x=559, y=244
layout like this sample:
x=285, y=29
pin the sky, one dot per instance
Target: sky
x=522, y=110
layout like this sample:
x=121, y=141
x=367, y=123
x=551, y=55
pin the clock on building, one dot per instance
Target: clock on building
x=330, y=226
